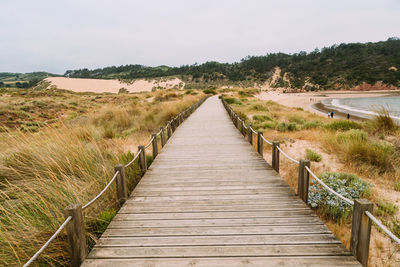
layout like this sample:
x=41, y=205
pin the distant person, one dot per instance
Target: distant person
x=329, y=114
x=348, y=116
x=332, y=113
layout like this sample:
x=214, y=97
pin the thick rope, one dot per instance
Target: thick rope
x=130, y=162
x=265, y=140
x=102, y=191
x=380, y=225
x=287, y=156
x=34, y=257
x=151, y=140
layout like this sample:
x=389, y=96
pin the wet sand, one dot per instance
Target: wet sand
x=312, y=101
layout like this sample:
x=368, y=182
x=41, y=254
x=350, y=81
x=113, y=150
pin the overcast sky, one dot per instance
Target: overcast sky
x=56, y=35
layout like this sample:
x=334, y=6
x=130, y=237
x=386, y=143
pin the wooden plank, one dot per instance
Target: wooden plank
x=215, y=214
x=155, y=241
x=230, y=230
x=310, y=261
x=117, y=224
x=224, y=251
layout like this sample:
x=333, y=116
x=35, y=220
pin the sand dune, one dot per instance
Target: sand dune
x=112, y=86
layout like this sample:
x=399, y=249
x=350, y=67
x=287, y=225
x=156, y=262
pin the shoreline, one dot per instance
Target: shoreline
x=314, y=101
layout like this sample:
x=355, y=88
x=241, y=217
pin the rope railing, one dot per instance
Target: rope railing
x=76, y=256
x=382, y=227
x=56, y=233
x=133, y=160
x=287, y=156
x=101, y=192
x=149, y=143
x=361, y=207
x=265, y=140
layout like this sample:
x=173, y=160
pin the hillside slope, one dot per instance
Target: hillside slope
x=339, y=66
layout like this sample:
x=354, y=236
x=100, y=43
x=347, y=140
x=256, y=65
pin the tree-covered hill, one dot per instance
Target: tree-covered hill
x=338, y=66
x=22, y=80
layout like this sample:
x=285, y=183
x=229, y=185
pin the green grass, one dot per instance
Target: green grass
x=386, y=209
x=342, y=125
x=313, y=156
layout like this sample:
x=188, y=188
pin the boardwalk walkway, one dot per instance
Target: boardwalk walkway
x=209, y=199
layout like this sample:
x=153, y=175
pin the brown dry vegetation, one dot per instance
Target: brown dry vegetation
x=68, y=160
x=369, y=149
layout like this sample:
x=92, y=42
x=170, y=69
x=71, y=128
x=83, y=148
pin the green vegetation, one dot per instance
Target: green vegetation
x=22, y=80
x=342, y=125
x=348, y=185
x=313, y=156
x=344, y=65
x=386, y=209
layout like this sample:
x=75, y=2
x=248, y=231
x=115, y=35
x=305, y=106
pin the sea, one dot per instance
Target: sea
x=367, y=107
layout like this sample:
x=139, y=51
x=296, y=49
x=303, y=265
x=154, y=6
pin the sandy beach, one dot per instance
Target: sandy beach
x=112, y=86
x=311, y=101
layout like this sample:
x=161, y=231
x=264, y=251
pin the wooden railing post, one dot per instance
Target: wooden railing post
x=237, y=121
x=303, y=180
x=243, y=129
x=76, y=234
x=250, y=134
x=169, y=130
x=154, y=145
x=162, y=135
x=361, y=230
x=260, y=148
x=122, y=192
x=275, y=156
x=142, y=160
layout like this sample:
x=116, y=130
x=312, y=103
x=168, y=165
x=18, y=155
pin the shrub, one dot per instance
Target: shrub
x=383, y=121
x=353, y=135
x=259, y=107
x=210, y=91
x=233, y=101
x=297, y=120
x=343, y=125
x=346, y=184
x=261, y=118
x=123, y=91
x=379, y=154
x=397, y=187
x=386, y=208
x=283, y=127
x=313, y=156
x=312, y=124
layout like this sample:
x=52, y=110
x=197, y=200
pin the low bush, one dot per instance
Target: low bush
x=283, y=127
x=353, y=135
x=297, y=119
x=210, y=91
x=343, y=125
x=312, y=124
x=231, y=101
x=261, y=118
x=313, y=156
x=346, y=184
x=259, y=107
x=386, y=208
x=383, y=122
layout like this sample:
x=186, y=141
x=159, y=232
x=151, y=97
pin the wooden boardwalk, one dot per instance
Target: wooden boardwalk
x=209, y=199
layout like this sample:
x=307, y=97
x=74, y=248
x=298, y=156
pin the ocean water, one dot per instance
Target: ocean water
x=368, y=106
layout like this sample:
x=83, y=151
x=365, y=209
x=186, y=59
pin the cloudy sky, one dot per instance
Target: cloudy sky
x=58, y=35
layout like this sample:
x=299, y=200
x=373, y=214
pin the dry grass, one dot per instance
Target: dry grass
x=70, y=162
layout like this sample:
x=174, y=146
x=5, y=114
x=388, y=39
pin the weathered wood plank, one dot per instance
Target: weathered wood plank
x=222, y=251
x=155, y=241
x=321, y=261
